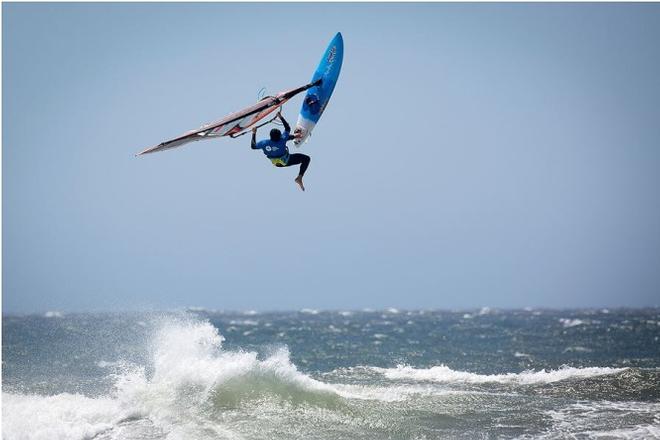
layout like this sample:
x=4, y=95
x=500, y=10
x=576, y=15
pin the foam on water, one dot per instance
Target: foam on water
x=443, y=373
x=65, y=416
x=567, y=323
x=645, y=432
x=580, y=418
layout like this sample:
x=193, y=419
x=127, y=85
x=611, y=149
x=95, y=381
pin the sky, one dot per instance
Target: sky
x=501, y=155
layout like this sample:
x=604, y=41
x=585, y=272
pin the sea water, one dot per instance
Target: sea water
x=390, y=374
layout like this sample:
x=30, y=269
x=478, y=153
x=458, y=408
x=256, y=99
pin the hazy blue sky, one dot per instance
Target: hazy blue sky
x=472, y=155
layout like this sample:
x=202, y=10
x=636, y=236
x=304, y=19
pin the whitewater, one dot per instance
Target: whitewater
x=332, y=375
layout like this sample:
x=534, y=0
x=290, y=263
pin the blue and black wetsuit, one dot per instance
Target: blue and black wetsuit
x=278, y=153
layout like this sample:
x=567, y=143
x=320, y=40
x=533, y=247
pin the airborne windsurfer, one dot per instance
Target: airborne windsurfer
x=276, y=150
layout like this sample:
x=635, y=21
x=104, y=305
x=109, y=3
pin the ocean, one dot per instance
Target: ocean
x=386, y=374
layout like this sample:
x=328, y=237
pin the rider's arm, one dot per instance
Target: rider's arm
x=253, y=145
x=287, y=127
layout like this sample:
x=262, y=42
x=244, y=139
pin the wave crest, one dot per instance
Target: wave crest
x=442, y=373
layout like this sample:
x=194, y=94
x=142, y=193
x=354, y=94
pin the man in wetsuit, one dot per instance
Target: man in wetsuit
x=276, y=150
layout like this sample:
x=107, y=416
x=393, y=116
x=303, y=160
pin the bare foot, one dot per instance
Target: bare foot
x=300, y=182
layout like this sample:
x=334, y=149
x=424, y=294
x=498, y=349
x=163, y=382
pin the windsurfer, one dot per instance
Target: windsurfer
x=276, y=150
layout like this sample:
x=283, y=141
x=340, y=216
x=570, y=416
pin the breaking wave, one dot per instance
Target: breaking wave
x=191, y=381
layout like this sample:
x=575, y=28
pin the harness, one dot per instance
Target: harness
x=280, y=161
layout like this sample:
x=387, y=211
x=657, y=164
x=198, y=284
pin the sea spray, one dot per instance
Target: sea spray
x=189, y=360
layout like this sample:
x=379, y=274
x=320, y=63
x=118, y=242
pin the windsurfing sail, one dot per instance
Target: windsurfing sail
x=233, y=125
